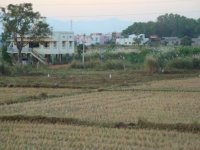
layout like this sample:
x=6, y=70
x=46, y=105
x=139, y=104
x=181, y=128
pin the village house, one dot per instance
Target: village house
x=171, y=41
x=132, y=39
x=97, y=38
x=93, y=39
x=80, y=39
x=50, y=50
x=115, y=36
x=154, y=40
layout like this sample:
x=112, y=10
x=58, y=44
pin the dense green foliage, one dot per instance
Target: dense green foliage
x=179, y=58
x=186, y=40
x=5, y=56
x=167, y=25
x=148, y=59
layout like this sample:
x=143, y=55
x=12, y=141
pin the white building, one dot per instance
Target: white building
x=132, y=40
x=93, y=39
x=96, y=38
x=80, y=39
x=51, y=49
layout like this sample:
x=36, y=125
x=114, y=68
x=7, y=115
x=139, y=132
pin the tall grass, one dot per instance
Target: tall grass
x=112, y=64
x=151, y=64
x=180, y=63
x=184, y=63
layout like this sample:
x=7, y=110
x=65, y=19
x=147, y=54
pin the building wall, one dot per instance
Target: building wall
x=58, y=43
x=96, y=38
x=93, y=39
x=196, y=41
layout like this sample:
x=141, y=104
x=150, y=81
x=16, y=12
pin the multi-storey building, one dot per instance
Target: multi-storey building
x=50, y=50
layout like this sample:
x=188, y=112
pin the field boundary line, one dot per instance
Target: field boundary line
x=41, y=98
x=151, y=90
x=141, y=124
x=45, y=86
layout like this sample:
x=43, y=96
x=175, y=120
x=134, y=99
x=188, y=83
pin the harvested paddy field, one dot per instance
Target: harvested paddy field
x=47, y=136
x=15, y=95
x=188, y=84
x=134, y=113
x=119, y=106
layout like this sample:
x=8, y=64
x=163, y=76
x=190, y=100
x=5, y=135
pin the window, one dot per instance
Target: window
x=46, y=45
x=63, y=44
x=70, y=43
x=34, y=45
x=55, y=44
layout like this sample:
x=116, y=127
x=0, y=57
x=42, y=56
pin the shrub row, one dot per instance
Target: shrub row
x=7, y=69
x=97, y=64
x=184, y=63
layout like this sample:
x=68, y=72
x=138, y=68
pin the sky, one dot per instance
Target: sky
x=106, y=15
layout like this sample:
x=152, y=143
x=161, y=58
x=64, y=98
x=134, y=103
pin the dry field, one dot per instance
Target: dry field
x=166, y=102
x=188, y=84
x=20, y=94
x=115, y=106
x=87, y=78
x=46, y=136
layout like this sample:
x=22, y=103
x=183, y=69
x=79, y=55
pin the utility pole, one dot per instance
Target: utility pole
x=83, y=54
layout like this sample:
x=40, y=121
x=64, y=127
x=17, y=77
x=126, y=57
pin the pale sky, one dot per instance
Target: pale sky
x=123, y=9
x=129, y=10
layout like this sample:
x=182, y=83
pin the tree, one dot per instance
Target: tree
x=80, y=49
x=5, y=55
x=20, y=22
x=166, y=25
x=186, y=41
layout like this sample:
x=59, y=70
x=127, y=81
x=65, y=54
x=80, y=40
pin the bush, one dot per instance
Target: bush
x=196, y=63
x=114, y=64
x=92, y=64
x=151, y=64
x=19, y=69
x=135, y=57
x=5, y=55
x=188, y=50
x=180, y=63
x=5, y=69
x=97, y=64
x=76, y=64
x=186, y=40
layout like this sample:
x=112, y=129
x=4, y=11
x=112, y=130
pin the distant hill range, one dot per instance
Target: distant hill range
x=90, y=26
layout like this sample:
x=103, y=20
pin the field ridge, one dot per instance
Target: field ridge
x=141, y=124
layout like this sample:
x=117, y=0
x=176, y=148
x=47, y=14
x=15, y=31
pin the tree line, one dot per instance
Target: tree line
x=168, y=25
